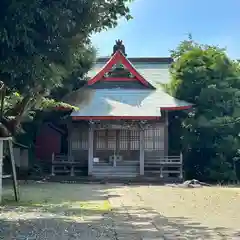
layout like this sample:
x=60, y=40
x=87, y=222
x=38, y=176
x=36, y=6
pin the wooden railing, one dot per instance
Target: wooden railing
x=64, y=164
x=162, y=165
x=60, y=158
x=153, y=164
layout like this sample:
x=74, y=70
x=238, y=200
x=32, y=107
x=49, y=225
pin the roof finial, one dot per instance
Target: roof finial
x=119, y=46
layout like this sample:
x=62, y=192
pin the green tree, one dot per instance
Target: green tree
x=209, y=133
x=46, y=44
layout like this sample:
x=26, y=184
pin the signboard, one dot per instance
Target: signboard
x=116, y=126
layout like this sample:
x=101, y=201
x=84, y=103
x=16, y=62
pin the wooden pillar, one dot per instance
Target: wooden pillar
x=1, y=168
x=69, y=140
x=53, y=168
x=90, y=150
x=70, y=129
x=117, y=142
x=166, y=134
x=14, y=174
x=181, y=166
x=161, y=171
x=142, y=143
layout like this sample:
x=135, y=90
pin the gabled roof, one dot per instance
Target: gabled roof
x=126, y=103
x=119, y=90
x=155, y=72
x=118, y=57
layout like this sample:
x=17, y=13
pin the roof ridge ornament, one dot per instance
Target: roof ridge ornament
x=119, y=46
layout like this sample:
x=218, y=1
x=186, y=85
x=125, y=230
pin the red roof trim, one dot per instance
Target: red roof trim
x=105, y=69
x=114, y=118
x=63, y=108
x=110, y=79
x=176, y=108
x=133, y=71
x=118, y=56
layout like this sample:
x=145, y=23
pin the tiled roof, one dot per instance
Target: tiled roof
x=125, y=102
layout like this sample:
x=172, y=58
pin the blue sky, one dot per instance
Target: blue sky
x=159, y=25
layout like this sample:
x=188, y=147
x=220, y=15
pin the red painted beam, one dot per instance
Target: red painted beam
x=63, y=108
x=116, y=58
x=176, y=108
x=112, y=79
x=115, y=118
x=132, y=70
x=113, y=60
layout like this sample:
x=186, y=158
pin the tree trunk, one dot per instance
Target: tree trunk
x=9, y=127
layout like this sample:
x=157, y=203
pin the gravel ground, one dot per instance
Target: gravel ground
x=176, y=213
x=55, y=211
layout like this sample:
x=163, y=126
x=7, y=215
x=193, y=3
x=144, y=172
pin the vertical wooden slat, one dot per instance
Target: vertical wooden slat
x=142, y=152
x=181, y=166
x=53, y=156
x=70, y=129
x=1, y=168
x=154, y=136
x=106, y=139
x=128, y=141
x=78, y=137
x=134, y=139
x=90, y=150
x=166, y=134
x=112, y=140
x=117, y=142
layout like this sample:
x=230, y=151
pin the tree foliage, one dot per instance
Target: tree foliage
x=45, y=45
x=206, y=77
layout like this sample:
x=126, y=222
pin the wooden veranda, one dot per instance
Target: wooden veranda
x=119, y=149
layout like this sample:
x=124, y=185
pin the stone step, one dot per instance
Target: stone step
x=115, y=175
x=115, y=169
x=125, y=163
x=118, y=171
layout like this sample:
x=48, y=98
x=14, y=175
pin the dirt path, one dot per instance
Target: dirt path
x=167, y=213
x=53, y=211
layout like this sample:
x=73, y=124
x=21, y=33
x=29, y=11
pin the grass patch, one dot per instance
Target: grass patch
x=55, y=198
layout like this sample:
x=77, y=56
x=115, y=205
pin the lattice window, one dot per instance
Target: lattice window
x=123, y=139
x=159, y=138
x=105, y=139
x=149, y=138
x=117, y=139
x=134, y=138
x=154, y=138
x=129, y=140
x=84, y=140
x=75, y=140
x=100, y=139
x=79, y=139
x=111, y=139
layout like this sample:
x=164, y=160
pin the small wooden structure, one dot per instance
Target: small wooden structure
x=121, y=127
x=14, y=175
x=5, y=137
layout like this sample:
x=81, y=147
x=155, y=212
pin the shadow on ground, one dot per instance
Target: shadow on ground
x=152, y=225
x=60, y=221
x=67, y=224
